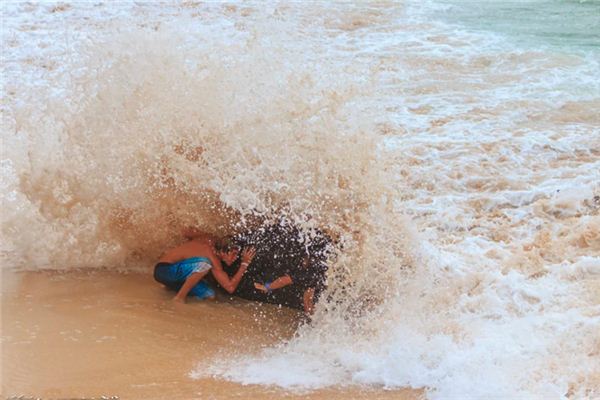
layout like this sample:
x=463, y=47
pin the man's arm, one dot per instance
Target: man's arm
x=221, y=276
x=229, y=284
x=278, y=283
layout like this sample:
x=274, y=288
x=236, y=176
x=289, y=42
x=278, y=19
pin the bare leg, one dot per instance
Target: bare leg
x=309, y=301
x=189, y=283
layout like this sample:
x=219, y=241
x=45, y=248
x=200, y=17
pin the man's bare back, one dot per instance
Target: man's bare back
x=203, y=247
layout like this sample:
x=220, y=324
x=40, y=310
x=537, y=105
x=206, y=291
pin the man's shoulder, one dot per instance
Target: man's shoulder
x=201, y=247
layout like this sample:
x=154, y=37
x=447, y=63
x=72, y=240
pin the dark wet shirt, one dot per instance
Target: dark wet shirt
x=281, y=250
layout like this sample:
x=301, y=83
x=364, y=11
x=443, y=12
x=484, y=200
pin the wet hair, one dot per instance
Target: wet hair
x=226, y=244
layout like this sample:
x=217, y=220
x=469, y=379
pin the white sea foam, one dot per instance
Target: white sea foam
x=459, y=171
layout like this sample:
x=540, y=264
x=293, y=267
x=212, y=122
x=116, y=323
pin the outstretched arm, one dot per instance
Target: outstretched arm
x=230, y=284
x=308, y=297
x=278, y=283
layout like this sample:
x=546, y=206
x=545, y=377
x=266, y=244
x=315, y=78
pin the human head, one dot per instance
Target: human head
x=227, y=250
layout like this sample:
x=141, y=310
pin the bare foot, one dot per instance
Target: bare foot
x=178, y=299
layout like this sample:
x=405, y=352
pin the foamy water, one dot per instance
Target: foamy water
x=458, y=166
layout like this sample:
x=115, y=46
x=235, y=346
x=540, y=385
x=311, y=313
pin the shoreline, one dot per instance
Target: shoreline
x=87, y=334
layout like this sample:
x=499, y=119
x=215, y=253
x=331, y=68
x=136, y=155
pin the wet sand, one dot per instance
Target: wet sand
x=91, y=334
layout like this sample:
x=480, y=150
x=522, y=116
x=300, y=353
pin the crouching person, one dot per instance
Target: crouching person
x=300, y=287
x=290, y=267
x=183, y=268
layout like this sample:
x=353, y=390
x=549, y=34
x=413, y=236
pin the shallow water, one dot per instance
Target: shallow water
x=452, y=148
x=96, y=333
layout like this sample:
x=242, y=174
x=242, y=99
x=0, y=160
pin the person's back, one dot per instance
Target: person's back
x=193, y=248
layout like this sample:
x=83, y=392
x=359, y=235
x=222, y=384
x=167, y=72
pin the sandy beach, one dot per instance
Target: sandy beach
x=100, y=333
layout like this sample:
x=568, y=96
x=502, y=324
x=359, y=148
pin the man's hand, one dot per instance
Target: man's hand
x=261, y=287
x=248, y=254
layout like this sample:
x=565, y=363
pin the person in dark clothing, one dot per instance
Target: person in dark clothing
x=289, y=267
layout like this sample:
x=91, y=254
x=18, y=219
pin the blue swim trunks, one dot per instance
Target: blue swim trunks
x=174, y=275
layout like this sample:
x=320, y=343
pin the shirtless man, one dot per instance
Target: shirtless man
x=183, y=267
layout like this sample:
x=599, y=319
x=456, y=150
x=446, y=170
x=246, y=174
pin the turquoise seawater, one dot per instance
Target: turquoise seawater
x=568, y=24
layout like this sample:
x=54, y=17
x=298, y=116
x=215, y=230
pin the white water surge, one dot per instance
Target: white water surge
x=460, y=171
